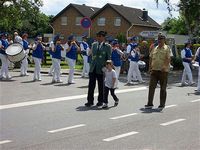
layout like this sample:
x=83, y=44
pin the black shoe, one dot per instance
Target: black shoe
x=161, y=107
x=99, y=104
x=88, y=104
x=116, y=103
x=105, y=106
x=148, y=106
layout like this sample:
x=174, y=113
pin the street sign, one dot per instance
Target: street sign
x=149, y=34
x=86, y=22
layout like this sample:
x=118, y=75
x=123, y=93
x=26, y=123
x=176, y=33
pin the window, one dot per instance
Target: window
x=78, y=21
x=64, y=21
x=101, y=21
x=117, y=21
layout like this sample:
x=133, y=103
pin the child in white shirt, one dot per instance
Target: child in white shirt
x=110, y=84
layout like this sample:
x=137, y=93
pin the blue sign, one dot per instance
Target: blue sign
x=86, y=22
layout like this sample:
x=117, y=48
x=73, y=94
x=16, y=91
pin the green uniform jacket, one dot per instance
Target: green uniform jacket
x=99, y=57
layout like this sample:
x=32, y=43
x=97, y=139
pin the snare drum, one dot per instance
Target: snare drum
x=15, y=52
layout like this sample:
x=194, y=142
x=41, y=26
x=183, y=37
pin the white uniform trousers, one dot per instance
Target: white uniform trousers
x=117, y=70
x=24, y=66
x=198, y=84
x=86, y=66
x=52, y=66
x=4, y=66
x=187, y=72
x=133, y=74
x=37, y=75
x=71, y=63
x=57, y=68
x=134, y=71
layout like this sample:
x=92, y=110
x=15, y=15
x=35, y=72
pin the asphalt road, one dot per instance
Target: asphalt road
x=45, y=116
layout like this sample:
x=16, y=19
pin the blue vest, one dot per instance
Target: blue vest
x=136, y=58
x=133, y=45
x=85, y=45
x=188, y=54
x=57, y=53
x=72, y=52
x=25, y=44
x=116, y=58
x=5, y=44
x=38, y=52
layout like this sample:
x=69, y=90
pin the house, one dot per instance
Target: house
x=118, y=19
x=67, y=21
x=115, y=19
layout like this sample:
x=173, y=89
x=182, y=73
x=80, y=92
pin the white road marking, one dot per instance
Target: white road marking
x=120, y=136
x=169, y=106
x=67, y=128
x=123, y=116
x=4, y=142
x=197, y=100
x=60, y=99
x=172, y=122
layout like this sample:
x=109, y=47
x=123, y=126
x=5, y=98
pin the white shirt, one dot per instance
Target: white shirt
x=197, y=52
x=183, y=53
x=109, y=75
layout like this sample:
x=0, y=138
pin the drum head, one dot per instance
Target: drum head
x=14, y=49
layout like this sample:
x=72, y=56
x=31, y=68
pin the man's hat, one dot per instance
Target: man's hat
x=134, y=38
x=114, y=42
x=102, y=33
x=56, y=38
x=70, y=37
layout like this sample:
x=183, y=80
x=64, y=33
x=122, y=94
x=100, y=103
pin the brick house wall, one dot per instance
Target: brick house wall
x=71, y=27
x=113, y=30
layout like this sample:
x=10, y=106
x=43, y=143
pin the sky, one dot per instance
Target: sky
x=159, y=14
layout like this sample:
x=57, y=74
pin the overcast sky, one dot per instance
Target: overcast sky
x=53, y=7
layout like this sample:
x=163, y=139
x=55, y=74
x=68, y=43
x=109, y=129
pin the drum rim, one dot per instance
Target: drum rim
x=16, y=61
x=13, y=44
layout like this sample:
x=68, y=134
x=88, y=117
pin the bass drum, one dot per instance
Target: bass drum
x=15, y=52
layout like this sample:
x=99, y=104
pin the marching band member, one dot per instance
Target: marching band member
x=134, y=67
x=84, y=49
x=197, y=55
x=72, y=48
x=3, y=57
x=24, y=63
x=132, y=44
x=17, y=38
x=56, y=58
x=186, y=55
x=37, y=57
x=116, y=56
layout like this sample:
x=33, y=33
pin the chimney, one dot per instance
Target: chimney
x=144, y=14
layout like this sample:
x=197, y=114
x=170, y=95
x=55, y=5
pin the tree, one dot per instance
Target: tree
x=24, y=16
x=190, y=11
x=175, y=26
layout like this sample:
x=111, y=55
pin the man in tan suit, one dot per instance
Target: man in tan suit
x=159, y=68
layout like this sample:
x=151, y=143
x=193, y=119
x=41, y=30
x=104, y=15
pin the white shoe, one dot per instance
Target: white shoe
x=59, y=81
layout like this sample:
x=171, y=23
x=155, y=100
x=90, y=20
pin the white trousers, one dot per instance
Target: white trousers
x=86, y=66
x=37, y=70
x=187, y=72
x=71, y=64
x=117, y=70
x=24, y=66
x=4, y=66
x=134, y=71
x=52, y=66
x=57, y=68
x=198, y=84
